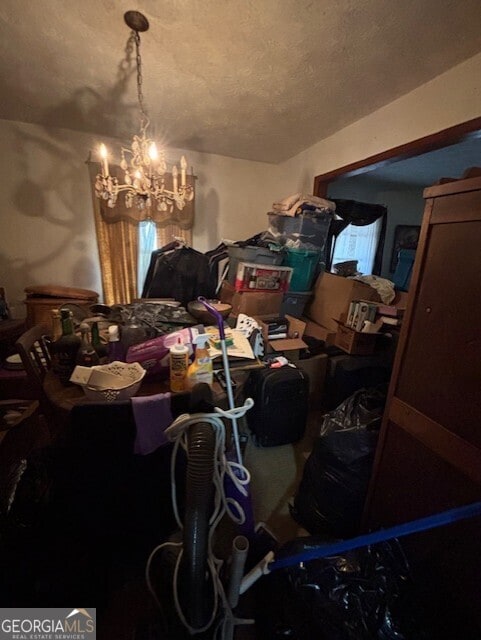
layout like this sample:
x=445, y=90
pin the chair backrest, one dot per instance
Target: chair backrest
x=32, y=347
x=27, y=434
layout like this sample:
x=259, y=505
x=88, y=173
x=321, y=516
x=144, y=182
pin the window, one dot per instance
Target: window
x=358, y=243
x=147, y=244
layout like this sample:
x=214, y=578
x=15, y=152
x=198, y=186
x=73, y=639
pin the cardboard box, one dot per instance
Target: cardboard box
x=254, y=304
x=354, y=342
x=319, y=332
x=315, y=368
x=332, y=295
x=291, y=346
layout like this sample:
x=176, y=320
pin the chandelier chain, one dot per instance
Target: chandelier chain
x=144, y=119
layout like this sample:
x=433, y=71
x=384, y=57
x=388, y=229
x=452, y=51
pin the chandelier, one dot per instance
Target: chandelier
x=143, y=165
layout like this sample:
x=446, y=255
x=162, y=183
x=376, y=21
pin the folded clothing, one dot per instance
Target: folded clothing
x=152, y=415
x=293, y=205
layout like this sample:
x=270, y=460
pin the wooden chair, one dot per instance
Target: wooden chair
x=21, y=433
x=32, y=347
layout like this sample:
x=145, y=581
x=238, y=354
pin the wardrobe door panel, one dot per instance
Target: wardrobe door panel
x=429, y=454
x=440, y=374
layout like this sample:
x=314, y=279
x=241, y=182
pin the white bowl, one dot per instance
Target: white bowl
x=132, y=372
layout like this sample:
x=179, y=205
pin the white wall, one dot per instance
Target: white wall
x=47, y=233
x=46, y=230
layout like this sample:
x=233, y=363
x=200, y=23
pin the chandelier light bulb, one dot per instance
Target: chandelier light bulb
x=145, y=176
x=104, y=159
x=153, y=153
x=183, y=167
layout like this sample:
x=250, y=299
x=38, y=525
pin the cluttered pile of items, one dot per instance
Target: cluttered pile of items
x=283, y=313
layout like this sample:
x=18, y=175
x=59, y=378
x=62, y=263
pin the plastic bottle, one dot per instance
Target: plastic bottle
x=86, y=354
x=115, y=349
x=179, y=361
x=201, y=369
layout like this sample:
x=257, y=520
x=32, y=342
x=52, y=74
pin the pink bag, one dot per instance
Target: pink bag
x=153, y=354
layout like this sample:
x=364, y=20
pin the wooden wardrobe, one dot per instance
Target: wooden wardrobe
x=429, y=452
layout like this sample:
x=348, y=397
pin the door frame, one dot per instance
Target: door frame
x=444, y=138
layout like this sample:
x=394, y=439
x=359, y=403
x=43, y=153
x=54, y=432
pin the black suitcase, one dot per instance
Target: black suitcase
x=279, y=414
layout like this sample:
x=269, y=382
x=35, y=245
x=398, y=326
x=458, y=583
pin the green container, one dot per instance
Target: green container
x=304, y=264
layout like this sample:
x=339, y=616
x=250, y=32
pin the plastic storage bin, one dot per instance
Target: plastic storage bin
x=294, y=303
x=258, y=255
x=304, y=232
x=304, y=264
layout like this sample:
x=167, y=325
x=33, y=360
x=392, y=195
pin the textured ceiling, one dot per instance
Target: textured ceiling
x=260, y=80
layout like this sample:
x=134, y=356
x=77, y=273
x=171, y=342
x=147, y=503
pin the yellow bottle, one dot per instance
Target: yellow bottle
x=201, y=369
x=179, y=360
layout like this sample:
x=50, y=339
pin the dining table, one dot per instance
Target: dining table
x=64, y=397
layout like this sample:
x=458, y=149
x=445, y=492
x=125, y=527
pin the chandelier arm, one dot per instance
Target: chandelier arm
x=161, y=192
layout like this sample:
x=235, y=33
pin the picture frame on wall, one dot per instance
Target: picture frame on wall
x=406, y=236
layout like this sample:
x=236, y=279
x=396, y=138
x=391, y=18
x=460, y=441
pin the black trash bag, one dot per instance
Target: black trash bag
x=363, y=594
x=333, y=488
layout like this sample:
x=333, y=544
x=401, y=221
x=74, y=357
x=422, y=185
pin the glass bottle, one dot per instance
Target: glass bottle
x=64, y=350
x=99, y=346
x=86, y=354
x=56, y=319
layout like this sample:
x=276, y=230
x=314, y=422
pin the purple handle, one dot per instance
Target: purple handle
x=216, y=314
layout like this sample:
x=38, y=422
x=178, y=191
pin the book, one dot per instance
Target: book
x=390, y=310
x=394, y=322
x=361, y=316
x=387, y=309
x=350, y=313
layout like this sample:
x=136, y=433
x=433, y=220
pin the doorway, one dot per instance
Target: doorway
x=397, y=178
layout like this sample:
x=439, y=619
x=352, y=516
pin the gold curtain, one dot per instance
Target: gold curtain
x=117, y=238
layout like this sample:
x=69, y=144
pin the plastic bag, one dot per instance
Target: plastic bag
x=364, y=594
x=363, y=410
x=332, y=491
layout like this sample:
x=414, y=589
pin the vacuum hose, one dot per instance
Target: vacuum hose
x=195, y=578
